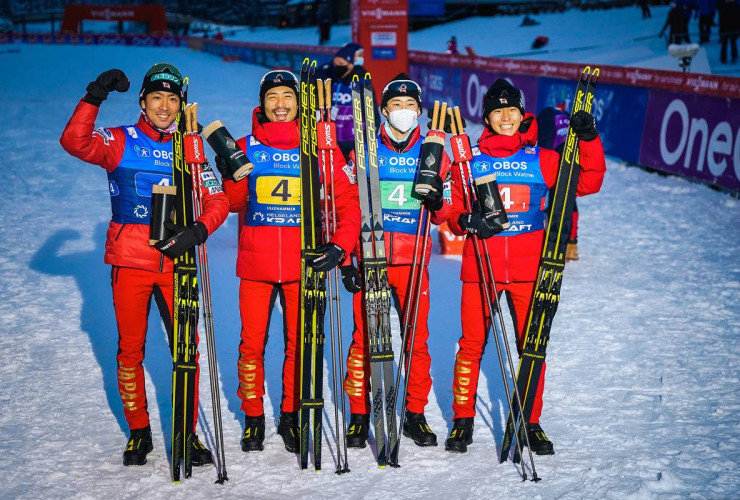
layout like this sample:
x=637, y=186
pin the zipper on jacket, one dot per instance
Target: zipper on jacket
x=120, y=231
x=280, y=254
x=506, y=258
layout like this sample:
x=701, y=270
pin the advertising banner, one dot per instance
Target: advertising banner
x=693, y=136
x=382, y=30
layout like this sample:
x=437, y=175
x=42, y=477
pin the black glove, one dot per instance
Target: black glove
x=474, y=223
x=106, y=82
x=327, y=257
x=223, y=166
x=584, y=126
x=447, y=125
x=351, y=278
x=184, y=239
x=433, y=199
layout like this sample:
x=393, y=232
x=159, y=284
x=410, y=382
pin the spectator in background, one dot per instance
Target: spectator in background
x=706, y=10
x=324, y=21
x=645, y=6
x=218, y=35
x=729, y=28
x=678, y=24
x=452, y=45
x=347, y=63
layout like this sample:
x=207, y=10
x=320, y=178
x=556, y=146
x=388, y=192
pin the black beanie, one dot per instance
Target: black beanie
x=277, y=78
x=162, y=77
x=502, y=94
x=401, y=86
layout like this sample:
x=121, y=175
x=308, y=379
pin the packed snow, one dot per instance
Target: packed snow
x=618, y=37
x=641, y=398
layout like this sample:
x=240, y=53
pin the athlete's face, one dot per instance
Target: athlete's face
x=281, y=104
x=505, y=121
x=161, y=108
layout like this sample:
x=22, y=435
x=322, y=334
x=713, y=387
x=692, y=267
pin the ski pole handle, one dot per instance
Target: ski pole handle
x=224, y=145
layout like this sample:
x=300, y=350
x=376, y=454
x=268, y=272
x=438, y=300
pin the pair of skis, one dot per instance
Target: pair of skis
x=546, y=294
x=377, y=294
x=315, y=103
x=188, y=157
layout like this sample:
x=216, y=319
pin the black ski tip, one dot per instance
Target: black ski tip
x=535, y=478
x=222, y=479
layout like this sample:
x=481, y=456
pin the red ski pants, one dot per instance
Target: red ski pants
x=357, y=382
x=256, y=301
x=132, y=292
x=475, y=331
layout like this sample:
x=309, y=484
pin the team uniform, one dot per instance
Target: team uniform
x=136, y=157
x=524, y=173
x=269, y=256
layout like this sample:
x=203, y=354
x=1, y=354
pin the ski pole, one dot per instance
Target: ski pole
x=205, y=279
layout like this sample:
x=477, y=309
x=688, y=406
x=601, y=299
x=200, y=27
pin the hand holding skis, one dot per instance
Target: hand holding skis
x=106, y=82
x=183, y=240
x=326, y=257
x=433, y=200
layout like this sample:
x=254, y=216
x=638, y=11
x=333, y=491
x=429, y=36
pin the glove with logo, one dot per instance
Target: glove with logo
x=474, y=223
x=106, y=82
x=184, y=239
x=584, y=126
x=433, y=199
x=351, y=278
x=223, y=167
x=326, y=257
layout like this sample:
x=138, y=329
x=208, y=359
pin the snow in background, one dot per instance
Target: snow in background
x=617, y=37
x=641, y=396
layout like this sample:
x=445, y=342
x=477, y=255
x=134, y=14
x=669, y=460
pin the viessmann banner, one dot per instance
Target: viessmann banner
x=688, y=125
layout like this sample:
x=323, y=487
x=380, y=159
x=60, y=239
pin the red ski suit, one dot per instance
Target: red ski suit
x=269, y=262
x=515, y=260
x=399, y=248
x=136, y=274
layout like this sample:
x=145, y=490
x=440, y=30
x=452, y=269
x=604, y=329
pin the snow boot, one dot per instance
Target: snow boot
x=359, y=423
x=138, y=446
x=538, y=441
x=288, y=429
x=201, y=454
x=254, y=433
x=415, y=427
x=461, y=435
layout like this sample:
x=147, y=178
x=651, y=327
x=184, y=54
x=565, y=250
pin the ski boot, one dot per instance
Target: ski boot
x=254, y=433
x=461, y=435
x=201, y=454
x=359, y=424
x=288, y=429
x=538, y=442
x=415, y=427
x=138, y=446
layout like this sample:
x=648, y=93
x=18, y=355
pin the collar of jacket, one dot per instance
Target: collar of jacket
x=153, y=132
x=501, y=146
x=403, y=146
x=280, y=135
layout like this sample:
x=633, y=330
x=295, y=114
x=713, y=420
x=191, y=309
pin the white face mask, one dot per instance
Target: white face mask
x=403, y=120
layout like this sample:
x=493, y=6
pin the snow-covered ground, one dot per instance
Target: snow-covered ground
x=641, y=398
x=617, y=37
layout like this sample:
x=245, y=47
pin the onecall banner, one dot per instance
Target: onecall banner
x=614, y=107
x=693, y=136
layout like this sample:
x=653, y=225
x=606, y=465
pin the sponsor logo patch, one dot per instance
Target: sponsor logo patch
x=142, y=152
x=106, y=134
x=132, y=132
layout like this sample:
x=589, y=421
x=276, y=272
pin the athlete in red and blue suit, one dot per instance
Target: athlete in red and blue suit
x=524, y=173
x=137, y=157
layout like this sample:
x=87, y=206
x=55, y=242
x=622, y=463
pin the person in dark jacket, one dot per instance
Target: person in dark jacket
x=706, y=10
x=677, y=24
x=347, y=63
x=729, y=28
x=137, y=157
